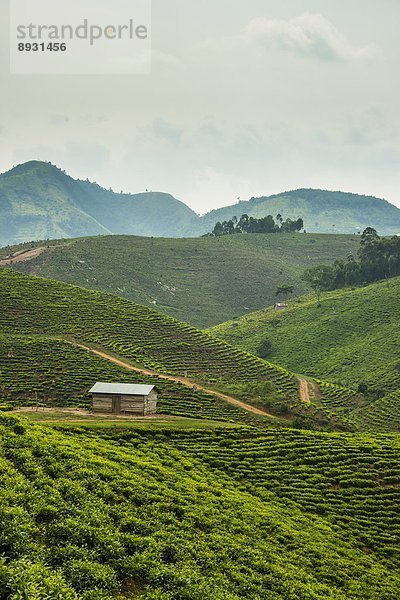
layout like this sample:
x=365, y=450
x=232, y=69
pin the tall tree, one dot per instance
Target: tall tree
x=284, y=290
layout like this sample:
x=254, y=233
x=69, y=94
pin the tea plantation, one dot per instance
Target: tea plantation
x=238, y=506
x=381, y=415
x=54, y=373
x=172, y=516
x=41, y=314
x=351, y=480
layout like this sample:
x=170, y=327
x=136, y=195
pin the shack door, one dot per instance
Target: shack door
x=116, y=404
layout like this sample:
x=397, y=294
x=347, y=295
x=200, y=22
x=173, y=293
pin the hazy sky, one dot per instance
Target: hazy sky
x=245, y=98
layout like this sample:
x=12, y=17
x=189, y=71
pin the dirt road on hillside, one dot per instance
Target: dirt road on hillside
x=183, y=380
x=304, y=391
x=22, y=256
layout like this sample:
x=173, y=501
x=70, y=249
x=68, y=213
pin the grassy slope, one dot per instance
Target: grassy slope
x=41, y=313
x=203, y=281
x=137, y=516
x=352, y=337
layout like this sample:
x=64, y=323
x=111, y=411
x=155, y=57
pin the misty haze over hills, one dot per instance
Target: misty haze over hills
x=40, y=201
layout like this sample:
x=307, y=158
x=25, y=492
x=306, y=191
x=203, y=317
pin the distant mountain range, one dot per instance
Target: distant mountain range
x=40, y=201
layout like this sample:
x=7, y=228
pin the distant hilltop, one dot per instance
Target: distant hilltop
x=40, y=201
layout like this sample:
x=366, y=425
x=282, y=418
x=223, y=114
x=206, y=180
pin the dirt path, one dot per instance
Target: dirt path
x=22, y=256
x=84, y=413
x=183, y=380
x=304, y=391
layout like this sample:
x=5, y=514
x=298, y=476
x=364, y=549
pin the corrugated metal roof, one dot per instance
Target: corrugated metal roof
x=121, y=389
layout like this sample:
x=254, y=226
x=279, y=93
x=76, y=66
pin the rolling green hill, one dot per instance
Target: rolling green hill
x=42, y=323
x=203, y=281
x=39, y=201
x=352, y=338
x=160, y=515
x=322, y=211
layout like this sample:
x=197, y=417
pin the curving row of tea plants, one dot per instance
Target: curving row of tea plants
x=381, y=415
x=340, y=400
x=353, y=481
x=88, y=518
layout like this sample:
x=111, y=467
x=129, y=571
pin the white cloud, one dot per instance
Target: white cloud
x=213, y=189
x=309, y=35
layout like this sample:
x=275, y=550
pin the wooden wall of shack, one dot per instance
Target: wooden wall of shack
x=125, y=403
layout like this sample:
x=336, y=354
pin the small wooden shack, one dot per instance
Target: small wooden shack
x=124, y=398
x=281, y=306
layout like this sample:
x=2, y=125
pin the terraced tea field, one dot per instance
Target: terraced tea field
x=34, y=306
x=381, y=415
x=55, y=373
x=352, y=481
x=91, y=513
x=40, y=308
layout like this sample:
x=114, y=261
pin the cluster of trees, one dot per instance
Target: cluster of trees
x=378, y=258
x=248, y=224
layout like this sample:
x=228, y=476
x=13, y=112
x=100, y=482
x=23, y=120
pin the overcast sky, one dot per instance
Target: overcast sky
x=245, y=99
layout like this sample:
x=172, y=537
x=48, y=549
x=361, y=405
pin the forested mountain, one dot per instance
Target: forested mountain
x=39, y=201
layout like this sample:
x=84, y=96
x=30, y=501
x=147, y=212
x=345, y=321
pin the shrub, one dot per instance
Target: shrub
x=23, y=579
x=84, y=575
x=265, y=348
